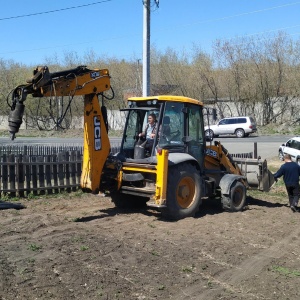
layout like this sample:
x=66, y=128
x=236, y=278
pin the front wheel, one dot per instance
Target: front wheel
x=237, y=198
x=183, y=192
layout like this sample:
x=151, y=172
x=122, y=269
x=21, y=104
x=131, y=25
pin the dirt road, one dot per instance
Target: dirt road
x=81, y=247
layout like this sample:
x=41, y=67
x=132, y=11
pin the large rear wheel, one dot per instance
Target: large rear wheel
x=183, y=192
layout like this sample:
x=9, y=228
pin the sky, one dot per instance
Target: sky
x=33, y=31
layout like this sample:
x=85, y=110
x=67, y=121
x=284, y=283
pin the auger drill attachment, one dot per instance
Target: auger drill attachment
x=17, y=111
x=41, y=77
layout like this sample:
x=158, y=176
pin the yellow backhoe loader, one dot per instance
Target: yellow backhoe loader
x=174, y=174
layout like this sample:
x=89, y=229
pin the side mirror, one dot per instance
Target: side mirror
x=208, y=138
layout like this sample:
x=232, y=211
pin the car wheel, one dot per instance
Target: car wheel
x=298, y=161
x=280, y=155
x=240, y=133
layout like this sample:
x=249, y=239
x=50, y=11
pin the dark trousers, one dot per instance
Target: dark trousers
x=293, y=193
x=149, y=144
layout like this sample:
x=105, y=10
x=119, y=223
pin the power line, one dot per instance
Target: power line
x=234, y=16
x=53, y=11
x=166, y=29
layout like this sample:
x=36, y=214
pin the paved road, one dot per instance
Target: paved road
x=267, y=146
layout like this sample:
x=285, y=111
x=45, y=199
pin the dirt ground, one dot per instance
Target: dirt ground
x=82, y=247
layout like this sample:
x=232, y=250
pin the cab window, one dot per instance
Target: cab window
x=195, y=132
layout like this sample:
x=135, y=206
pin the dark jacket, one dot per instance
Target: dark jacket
x=290, y=172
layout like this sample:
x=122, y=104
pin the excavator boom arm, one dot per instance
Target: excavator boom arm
x=72, y=82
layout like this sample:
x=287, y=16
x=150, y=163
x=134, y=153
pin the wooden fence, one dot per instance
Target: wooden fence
x=39, y=169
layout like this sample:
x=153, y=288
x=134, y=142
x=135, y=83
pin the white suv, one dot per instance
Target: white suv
x=240, y=126
x=291, y=147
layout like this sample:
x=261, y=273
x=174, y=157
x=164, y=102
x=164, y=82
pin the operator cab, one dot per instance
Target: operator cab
x=179, y=128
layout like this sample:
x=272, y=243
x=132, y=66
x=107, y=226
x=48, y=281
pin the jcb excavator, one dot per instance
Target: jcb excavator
x=174, y=175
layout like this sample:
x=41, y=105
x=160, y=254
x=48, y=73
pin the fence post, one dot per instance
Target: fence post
x=20, y=175
x=4, y=174
x=41, y=175
x=67, y=162
x=34, y=175
x=27, y=173
x=12, y=174
x=48, y=174
x=73, y=170
x=61, y=170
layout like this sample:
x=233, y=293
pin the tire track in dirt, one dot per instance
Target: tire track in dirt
x=231, y=280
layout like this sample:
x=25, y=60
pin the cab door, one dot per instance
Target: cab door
x=195, y=133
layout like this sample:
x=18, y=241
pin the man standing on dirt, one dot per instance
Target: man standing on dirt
x=291, y=172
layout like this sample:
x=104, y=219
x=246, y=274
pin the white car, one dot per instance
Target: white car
x=291, y=147
x=240, y=126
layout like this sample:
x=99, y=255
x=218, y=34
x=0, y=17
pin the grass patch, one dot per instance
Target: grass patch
x=187, y=269
x=154, y=253
x=286, y=271
x=34, y=247
x=84, y=248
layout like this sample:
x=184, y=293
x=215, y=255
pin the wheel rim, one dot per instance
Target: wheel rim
x=185, y=192
x=238, y=196
x=239, y=133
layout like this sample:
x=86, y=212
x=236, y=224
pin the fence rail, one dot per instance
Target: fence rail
x=243, y=155
x=39, y=149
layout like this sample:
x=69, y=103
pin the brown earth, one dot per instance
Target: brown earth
x=79, y=246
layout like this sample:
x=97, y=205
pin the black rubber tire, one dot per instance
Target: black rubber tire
x=240, y=133
x=128, y=201
x=280, y=155
x=237, y=197
x=209, y=133
x=183, y=192
x=298, y=161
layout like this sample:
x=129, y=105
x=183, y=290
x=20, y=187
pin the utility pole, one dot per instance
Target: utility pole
x=146, y=49
x=146, y=46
